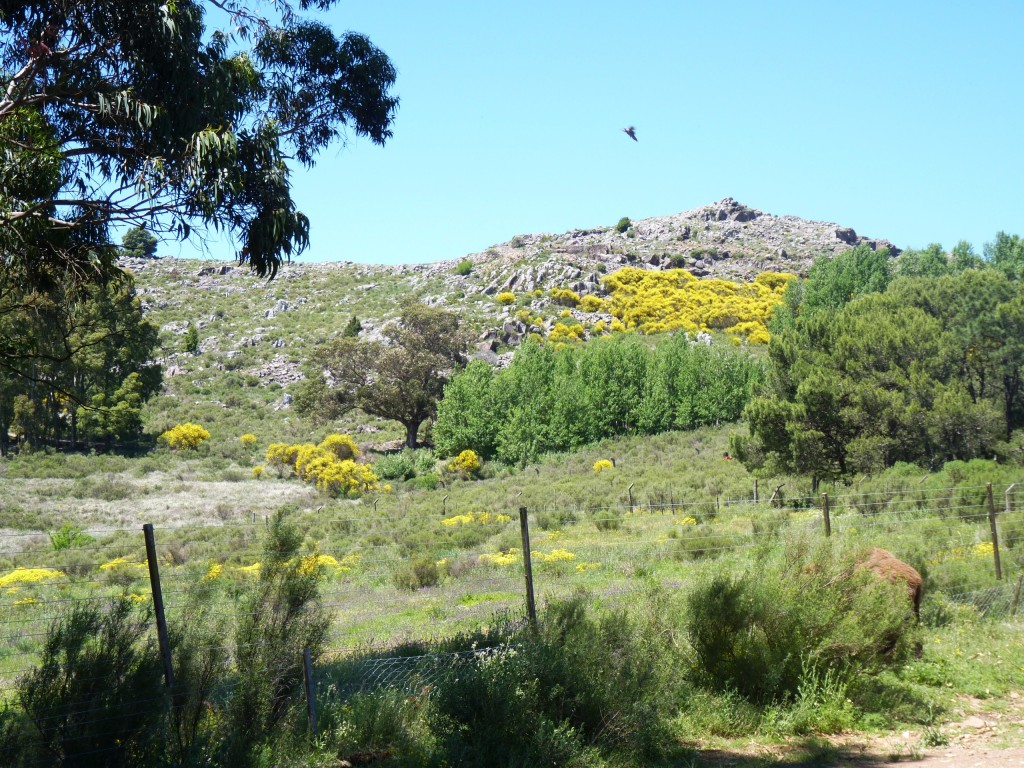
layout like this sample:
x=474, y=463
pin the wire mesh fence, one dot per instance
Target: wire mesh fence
x=380, y=593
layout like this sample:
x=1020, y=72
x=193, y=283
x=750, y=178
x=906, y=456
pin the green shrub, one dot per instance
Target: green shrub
x=68, y=537
x=96, y=698
x=428, y=482
x=418, y=574
x=607, y=520
x=395, y=466
x=385, y=722
x=623, y=224
x=765, y=632
x=464, y=268
x=278, y=618
x=424, y=461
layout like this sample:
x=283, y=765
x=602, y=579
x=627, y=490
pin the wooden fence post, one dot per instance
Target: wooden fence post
x=158, y=604
x=755, y=490
x=827, y=516
x=444, y=506
x=1016, y=596
x=630, y=492
x=995, y=533
x=307, y=667
x=531, y=605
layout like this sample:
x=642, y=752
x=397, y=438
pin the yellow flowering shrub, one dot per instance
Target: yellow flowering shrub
x=23, y=576
x=506, y=298
x=26, y=601
x=599, y=327
x=673, y=300
x=476, y=518
x=281, y=454
x=500, y=558
x=617, y=325
x=466, y=465
x=688, y=521
x=249, y=570
x=185, y=437
x=554, y=556
x=247, y=439
x=565, y=297
x=342, y=446
x=591, y=303
x=342, y=478
x=214, y=572
x=257, y=472
x=322, y=465
x=563, y=333
x=602, y=464
x=123, y=562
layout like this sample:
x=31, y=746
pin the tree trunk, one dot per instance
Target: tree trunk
x=411, y=429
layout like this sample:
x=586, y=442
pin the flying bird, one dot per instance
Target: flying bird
x=631, y=132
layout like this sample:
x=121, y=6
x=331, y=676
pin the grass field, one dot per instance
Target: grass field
x=423, y=573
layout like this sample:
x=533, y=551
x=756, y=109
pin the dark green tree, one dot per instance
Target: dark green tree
x=832, y=283
x=858, y=389
x=137, y=113
x=190, y=344
x=401, y=377
x=353, y=328
x=1006, y=253
x=82, y=364
x=139, y=243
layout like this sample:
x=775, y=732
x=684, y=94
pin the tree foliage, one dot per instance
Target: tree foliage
x=139, y=113
x=557, y=399
x=927, y=371
x=400, y=377
x=139, y=242
x=75, y=364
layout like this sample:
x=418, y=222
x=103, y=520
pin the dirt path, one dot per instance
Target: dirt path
x=981, y=738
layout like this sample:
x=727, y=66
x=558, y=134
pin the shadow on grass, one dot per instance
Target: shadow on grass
x=811, y=752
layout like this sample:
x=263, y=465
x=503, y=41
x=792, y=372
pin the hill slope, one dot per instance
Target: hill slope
x=254, y=335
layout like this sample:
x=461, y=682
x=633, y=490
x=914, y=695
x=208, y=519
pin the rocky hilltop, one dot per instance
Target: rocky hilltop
x=726, y=239
x=264, y=330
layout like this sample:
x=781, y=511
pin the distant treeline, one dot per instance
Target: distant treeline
x=557, y=398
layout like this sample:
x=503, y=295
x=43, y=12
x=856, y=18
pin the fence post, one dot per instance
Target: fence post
x=827, y=516
x=444, y=506
x=531, y=605
x=158, y=603
x=307, y=667
x=755, y=490
x=995, y=533
x=630, y=492
x=1016, y=596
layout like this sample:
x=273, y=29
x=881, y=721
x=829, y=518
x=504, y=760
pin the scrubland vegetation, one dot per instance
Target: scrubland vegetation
x=676, y=610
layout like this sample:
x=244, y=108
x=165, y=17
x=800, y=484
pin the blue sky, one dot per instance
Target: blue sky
x=902, y=120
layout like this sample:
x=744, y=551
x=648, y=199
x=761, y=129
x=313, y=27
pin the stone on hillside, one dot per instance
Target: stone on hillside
x=278, y=308
x=846, y=235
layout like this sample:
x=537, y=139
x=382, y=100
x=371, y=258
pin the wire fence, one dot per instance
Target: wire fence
x=389, y=604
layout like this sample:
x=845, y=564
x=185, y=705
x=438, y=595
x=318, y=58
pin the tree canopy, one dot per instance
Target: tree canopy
x=928, y=370
x=173, y=116
x=400, y=377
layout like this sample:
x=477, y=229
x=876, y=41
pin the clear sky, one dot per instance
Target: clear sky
x=903, y=120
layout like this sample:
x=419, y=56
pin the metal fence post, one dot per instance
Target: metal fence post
x=995, y=533
x=827, y=516
x=531, y=605
x=158, y=603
